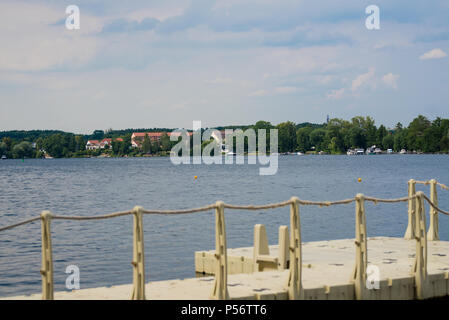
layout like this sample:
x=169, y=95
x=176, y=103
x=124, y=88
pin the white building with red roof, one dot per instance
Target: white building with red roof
x=92, y=145
x=137, y=137
x=97, y=144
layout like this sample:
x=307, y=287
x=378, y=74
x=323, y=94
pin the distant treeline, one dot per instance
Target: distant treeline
x=30, y=135
x=335, y=137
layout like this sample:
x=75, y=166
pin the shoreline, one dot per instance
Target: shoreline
x=224, y=155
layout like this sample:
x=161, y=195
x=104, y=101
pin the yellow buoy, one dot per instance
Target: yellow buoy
x=359, y=179
x=196, y=177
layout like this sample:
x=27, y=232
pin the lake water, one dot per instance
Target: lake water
x=103, y=249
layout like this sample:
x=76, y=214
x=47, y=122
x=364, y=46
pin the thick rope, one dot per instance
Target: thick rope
x=443, y=186
x=106, y=216
x=201, y=209
x=376, y=200
x=325, y=203
x=434, y=206
x=19, y=224
x=423, y=182
x=262, y=207
x=234, y=207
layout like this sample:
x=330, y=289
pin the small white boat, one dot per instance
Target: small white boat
x=378, y=151
x=403, y=151
x=300, y=154
x=4, y=157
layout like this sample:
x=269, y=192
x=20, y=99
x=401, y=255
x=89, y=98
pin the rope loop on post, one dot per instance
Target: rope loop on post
x=361, y=251
x=420, y=265
x=220, y=288
x=294, y=282
x=410, y=232
x=47, y=258
x=432, y=233
x=138, y=262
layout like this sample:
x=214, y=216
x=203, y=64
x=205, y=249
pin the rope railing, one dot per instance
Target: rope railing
x=193, y=210
x=19, y=224
x=434, y=206
x=294, y=284
x=101, y=217
x=433, y=232
x=427, y=182
x=376, y=200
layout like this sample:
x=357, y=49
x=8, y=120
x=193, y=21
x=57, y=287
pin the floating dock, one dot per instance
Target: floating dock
x=326, y=274
x=413, y=267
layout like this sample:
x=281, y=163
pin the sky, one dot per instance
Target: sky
x=166, y=63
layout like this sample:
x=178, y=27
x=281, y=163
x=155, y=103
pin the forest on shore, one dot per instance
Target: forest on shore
x=335, y=136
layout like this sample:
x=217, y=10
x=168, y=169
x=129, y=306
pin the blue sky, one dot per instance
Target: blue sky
x=135, y=64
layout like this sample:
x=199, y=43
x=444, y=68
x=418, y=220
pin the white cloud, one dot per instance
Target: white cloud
x=336, y=94
x=391, y=80
x=363, y=79
x=33, y=39
x=433, y=54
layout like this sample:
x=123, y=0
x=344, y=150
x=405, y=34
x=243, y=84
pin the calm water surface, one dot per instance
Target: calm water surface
x=103, y=249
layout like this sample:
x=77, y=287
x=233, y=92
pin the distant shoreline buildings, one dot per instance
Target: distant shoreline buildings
x=103, y=144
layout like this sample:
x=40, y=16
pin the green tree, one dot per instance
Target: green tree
x=263, y=125
x=388, y=141
x=8, y=142
x=431, y=139
x=286, y=136
x=317, y=137
x=381, y=133
x=125, y=146
x=415, y=134
x=334, y=146
x=165, y=142
x=146, y=144
x=3, y=149
x=22, y=150
x=335, y=132
x=303, y=138
x=400, y=140
x=97, y=135
x=444, y=144
x=80, y=143
x=356, y=137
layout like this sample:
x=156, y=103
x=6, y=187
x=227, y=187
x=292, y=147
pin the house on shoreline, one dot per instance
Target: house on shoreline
x=97, y=144
x=137, y=137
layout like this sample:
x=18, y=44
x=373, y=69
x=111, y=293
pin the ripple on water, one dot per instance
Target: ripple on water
x=103, y=249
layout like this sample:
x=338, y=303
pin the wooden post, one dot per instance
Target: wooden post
x=260, y=246
x=361, y=251
x=410, y=232
x=220, y=288
x=138, y=256
x=283, y=254
x=47, y=259
x=432, y=233
x=294, y=283
x=420, y=265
